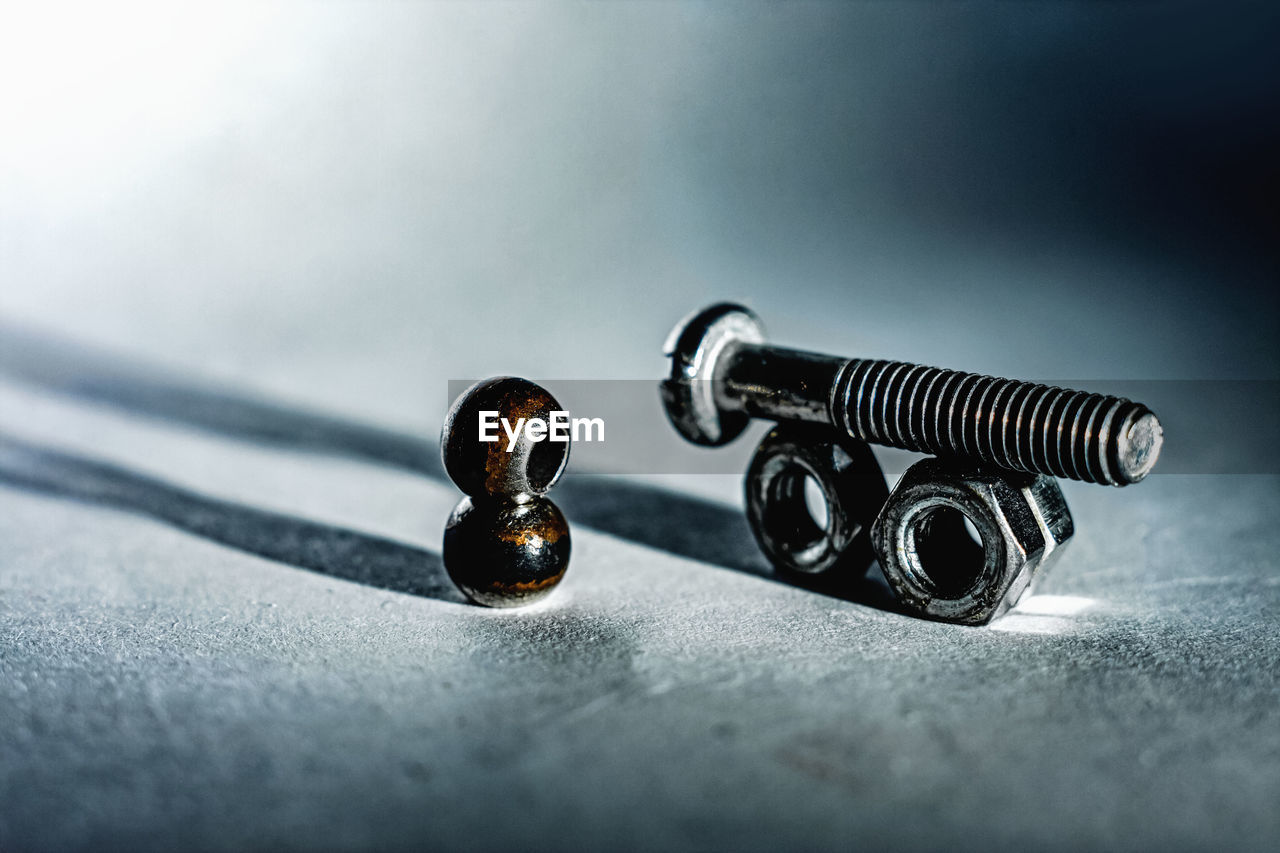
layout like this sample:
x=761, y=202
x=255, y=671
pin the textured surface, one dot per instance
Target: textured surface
x=161, y=688
x=223, y=618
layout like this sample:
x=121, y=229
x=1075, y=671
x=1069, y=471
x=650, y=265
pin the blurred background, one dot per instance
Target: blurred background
x=348, y=203
x=326, y=211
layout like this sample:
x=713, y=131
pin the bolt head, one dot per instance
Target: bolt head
x=698, y=347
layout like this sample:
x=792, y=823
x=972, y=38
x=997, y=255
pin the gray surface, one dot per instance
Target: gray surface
x=318, y=215
x=164, y=690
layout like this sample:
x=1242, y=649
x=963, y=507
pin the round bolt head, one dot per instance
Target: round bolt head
x=504, y=554
x=486, y=469
x=697, y=346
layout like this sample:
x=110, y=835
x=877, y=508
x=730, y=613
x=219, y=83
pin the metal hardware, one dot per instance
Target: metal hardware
x=505, y=545
x=723, y=374
x=851, y=484
x=937, y=569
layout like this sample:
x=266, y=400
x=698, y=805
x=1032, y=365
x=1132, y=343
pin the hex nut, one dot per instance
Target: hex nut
x=934, y=565
x=852, y=486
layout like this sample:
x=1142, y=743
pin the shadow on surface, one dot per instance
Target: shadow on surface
x=658, y=518
x=323, y=548
x=696, y=529
x=106, y=379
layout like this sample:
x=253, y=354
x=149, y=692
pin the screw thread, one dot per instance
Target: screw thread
x=1023, y=426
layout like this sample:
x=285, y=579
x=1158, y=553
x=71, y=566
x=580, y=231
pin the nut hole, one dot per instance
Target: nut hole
x=546, y=460
x=790, y=516
x=945, y=552
x=816, y=503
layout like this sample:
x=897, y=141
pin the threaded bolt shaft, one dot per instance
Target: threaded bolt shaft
x=1023, y=426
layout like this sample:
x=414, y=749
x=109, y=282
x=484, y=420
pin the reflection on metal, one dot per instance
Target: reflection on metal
x=722, y=374
x=505, y=545
x=963, y=537
x=935, y=565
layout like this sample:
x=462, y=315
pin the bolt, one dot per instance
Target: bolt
x=723, y=374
